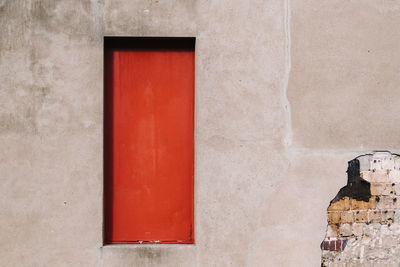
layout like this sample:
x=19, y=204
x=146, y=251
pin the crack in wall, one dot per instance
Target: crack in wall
x=288, y=66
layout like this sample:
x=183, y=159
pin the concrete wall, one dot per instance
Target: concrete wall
x=286, y=93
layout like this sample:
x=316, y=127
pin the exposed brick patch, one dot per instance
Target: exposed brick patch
x=364, y=217
x=334, y=245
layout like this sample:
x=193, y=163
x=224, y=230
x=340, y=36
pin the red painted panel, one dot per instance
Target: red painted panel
x=149, y=146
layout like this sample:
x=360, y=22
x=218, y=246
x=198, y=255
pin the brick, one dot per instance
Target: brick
x=388, y=163
x=397, y=217
x=366, y=175
x=389, y=189
x=347, y=217
x=396, y=163
x=332, y=230
x=334, y=217
x=394, y=176
x=374, y=216
x=387, y=216
x=385, y=203
x=357, y=229
x=342, y=204
x=397, y=189
x=372, y=203
x=396, y=202
x=325, y=245
x=361, y=216
x=338, y=245
x=389, y=241
x=345, y=229
x=366, y=239
x=385, y=230
x=376, y=164
x=362, y=205
x=332, y=244
x=379, y=176
x=394, y=227
x=377, y=189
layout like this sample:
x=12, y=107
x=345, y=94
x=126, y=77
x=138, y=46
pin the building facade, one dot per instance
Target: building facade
x=286, y=93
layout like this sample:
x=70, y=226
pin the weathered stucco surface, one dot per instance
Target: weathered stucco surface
x=345, y=74
x=286, y=93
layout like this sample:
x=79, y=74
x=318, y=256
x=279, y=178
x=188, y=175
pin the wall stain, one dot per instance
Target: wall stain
x=356, y=188
x=153, y=254
x=2, y=4
x=76, y=17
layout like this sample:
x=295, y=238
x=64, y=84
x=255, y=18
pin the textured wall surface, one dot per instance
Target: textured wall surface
x=286, y=93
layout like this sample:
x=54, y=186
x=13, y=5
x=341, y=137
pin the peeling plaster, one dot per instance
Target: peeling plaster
x=364, y=217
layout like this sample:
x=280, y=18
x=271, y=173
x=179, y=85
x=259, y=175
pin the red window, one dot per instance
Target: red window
x=149, y=140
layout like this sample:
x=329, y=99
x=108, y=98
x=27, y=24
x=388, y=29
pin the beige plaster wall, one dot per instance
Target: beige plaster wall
x=286, y=93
